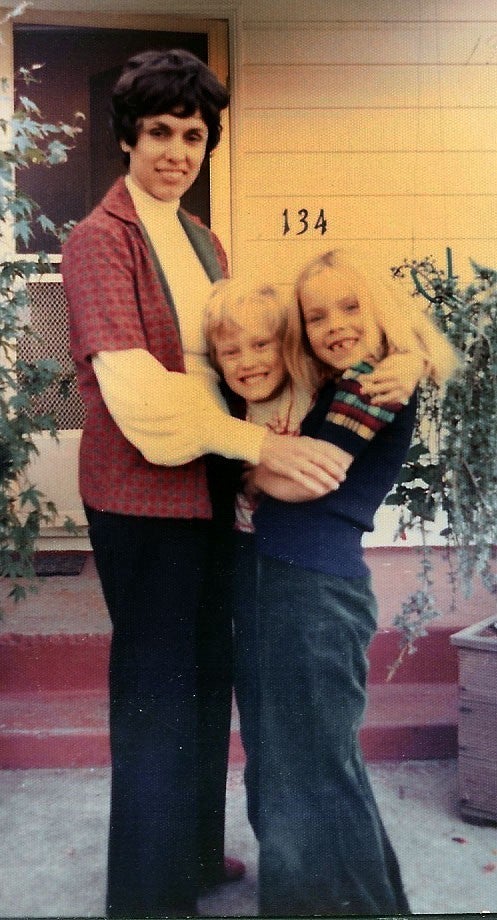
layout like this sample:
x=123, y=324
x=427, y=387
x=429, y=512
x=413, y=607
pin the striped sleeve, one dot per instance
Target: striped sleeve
x=352, y=422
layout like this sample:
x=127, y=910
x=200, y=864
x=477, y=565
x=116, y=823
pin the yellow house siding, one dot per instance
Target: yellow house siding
x=381, y=114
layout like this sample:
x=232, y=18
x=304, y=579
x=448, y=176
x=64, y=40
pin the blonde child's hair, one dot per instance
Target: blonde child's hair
x=403, y=328
x=232, y=299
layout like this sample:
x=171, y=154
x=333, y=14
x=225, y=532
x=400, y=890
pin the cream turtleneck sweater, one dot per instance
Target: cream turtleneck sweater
x=172, y=418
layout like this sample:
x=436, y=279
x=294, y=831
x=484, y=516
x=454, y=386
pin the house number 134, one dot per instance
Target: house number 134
x=302, y=222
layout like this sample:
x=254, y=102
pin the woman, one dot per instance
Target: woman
x=137, y=272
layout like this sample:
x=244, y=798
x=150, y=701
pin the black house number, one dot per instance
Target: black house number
x=300, y=222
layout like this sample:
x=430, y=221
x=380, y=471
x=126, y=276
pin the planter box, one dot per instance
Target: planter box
x=477, y=720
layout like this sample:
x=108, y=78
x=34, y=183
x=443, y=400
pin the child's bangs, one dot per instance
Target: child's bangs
x=264, y=307
x=267, y=308
x=233, y=306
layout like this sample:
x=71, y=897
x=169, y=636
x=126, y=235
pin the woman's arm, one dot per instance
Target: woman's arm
x=153, y=403
x=172, y=418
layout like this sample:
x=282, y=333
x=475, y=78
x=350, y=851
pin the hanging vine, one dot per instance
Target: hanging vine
x=452, y=465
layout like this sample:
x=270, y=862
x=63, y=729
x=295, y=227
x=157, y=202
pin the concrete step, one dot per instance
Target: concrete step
x=79, y=661
x=53, y=671
x=58, y=638
x=49, y=729
x=64, y=729
x=410, y=722
x=50, y=662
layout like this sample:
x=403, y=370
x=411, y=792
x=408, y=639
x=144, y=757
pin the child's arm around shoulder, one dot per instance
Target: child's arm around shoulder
x=350, y=422
x=395, y=378
x=353, y=419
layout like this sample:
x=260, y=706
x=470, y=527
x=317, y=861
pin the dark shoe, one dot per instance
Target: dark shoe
x=232, y=870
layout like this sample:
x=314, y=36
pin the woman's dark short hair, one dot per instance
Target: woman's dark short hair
x=156, y=82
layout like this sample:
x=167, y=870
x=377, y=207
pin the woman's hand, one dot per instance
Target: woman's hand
x=314, y=466
x=394, y=379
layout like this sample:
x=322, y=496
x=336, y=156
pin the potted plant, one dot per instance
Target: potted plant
x=477, y=722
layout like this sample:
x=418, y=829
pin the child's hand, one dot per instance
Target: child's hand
x=281, y=487
x=394, y=379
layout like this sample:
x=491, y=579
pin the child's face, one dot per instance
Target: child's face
x=341, y=332
x=251, y=360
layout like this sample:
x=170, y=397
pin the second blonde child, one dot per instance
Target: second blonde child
x=323, y=847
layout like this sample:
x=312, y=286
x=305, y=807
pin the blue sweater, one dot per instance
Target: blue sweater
x=325, y=534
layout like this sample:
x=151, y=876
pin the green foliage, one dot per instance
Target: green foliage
x=25, y=140
x=452, y=465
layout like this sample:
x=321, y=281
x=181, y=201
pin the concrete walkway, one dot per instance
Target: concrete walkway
x=53, y=826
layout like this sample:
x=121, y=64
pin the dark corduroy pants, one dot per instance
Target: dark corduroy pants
x=170, y=697
x=323, y=847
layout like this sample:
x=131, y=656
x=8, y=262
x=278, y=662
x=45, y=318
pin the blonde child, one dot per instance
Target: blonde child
x=323, y=847
x=246, y=327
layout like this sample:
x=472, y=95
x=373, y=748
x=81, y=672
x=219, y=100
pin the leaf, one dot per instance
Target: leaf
x=57, y=153
x=18, y=10
x=23, y=230
x=46, y=224
x=64, y=231
x=29, y=105
x=19, y=401
x=416, y=451
x=489, y=274
x=18, y=593
x=30, y=495
x=70, y=526
x=24, y=125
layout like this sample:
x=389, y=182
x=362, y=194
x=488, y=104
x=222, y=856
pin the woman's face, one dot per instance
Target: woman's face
x=168, y=154
x=340, y=329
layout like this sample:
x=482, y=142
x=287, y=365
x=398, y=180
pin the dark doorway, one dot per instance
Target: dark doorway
x=80, y=66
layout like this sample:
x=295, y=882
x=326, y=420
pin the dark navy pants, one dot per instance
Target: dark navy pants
x=323, y=846
x=170, y=699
